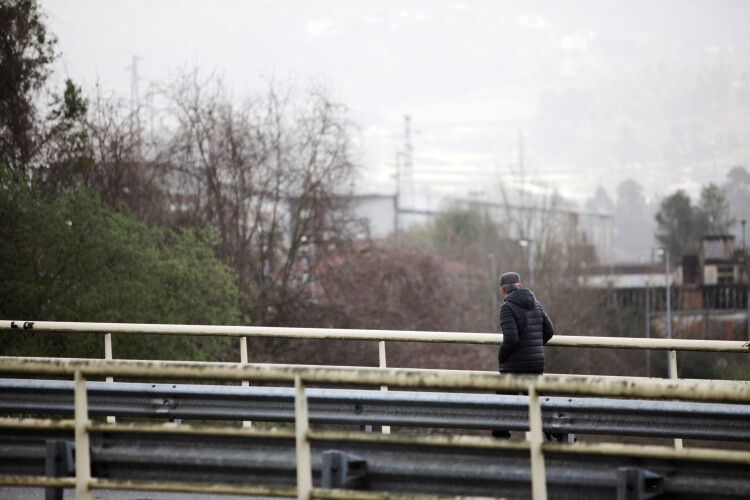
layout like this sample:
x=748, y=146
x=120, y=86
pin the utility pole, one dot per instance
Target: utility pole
x=648, y=329
x=665, y=251
x=747, y=294
x=135, y=121
x=403, y=173
x=396, y=198
x=408, y=159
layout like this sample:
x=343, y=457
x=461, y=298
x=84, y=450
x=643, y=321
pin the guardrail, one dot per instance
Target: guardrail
x=371, y=408
x=616, y=387
x=381, y=336
x=405, y=466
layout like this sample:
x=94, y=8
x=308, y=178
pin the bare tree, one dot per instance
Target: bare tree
x=397, y=288
x=533, y=213
x=270, y=175
x=116, y=164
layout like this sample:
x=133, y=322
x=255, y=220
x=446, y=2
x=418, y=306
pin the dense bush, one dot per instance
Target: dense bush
x=70, y=258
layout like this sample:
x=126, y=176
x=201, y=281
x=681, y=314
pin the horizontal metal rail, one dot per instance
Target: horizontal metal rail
x=186, y=458
x=375, y=335
x=305, y=441
x=720, y=391
x=377, y=408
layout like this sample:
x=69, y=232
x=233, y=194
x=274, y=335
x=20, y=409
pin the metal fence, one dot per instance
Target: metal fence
x=682, y=298
x=380, y=336
x=365, y=409
x=300, y=376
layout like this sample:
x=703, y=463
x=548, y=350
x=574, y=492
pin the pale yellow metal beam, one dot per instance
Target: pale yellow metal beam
x=245, y=383
x=187, y=429
x=217, y=489
x=212, y=489
x=39, y=481
x=301, y=427
x=83, y=462
x=108, y=355
x=37, y=423
x=380, y=335
x=337, y=494
x=453, y=440
x=383, y=364
x=536, y=438
x=673, y=375
x=726, y=391
x=651, y=451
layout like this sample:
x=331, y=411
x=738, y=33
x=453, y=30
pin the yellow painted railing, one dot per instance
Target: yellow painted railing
x=549, y=384
x=381, y=336
x=300, y=376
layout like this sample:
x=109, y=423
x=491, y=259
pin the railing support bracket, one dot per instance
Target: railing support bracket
x=343, y=470
x=59, y=461
x=638, y=484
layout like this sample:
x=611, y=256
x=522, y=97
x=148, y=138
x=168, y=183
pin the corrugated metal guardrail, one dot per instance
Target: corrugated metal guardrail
x=691, y=461
x=567, y=415
x=402, y=465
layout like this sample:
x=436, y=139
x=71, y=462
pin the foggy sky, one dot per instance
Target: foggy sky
x=594, y=91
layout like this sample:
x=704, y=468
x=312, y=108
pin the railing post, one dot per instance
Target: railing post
x=673, y=364
x=83, y=463
x=673, y=374
x=381, y=356
x=536, y=438
x=108, y=352
x=108, y=356
x=245, y=383
x=382, y=364
x=301, y=426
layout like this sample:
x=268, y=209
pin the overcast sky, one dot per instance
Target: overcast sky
x=471, y=74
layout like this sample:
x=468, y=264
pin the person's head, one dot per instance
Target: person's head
x=509, y=282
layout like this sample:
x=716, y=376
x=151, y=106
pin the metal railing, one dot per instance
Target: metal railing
x=302, y=376
x=381, y=336
x=564, y=416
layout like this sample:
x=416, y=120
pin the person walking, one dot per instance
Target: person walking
x=526, y=328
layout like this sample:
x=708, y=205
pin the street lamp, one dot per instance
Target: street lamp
x=648, y=329
x=665, y=252
x=528, y=242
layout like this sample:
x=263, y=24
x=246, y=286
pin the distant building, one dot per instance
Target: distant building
x=379, y=210
x=587, y=232
x=716, y=279
x=718, y=264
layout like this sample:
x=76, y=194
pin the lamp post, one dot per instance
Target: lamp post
x=648, y=329
x=665, y=251
x=746, y=277
x=528, y=242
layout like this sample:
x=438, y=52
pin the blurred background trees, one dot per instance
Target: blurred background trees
x=26, y=52
x=271, y=177
x=682, y=224
x=204, y=207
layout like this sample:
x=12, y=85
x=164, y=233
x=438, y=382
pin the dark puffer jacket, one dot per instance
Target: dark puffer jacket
x=526, y=328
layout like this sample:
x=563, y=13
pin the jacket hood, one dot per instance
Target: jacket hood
x=523, y=297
